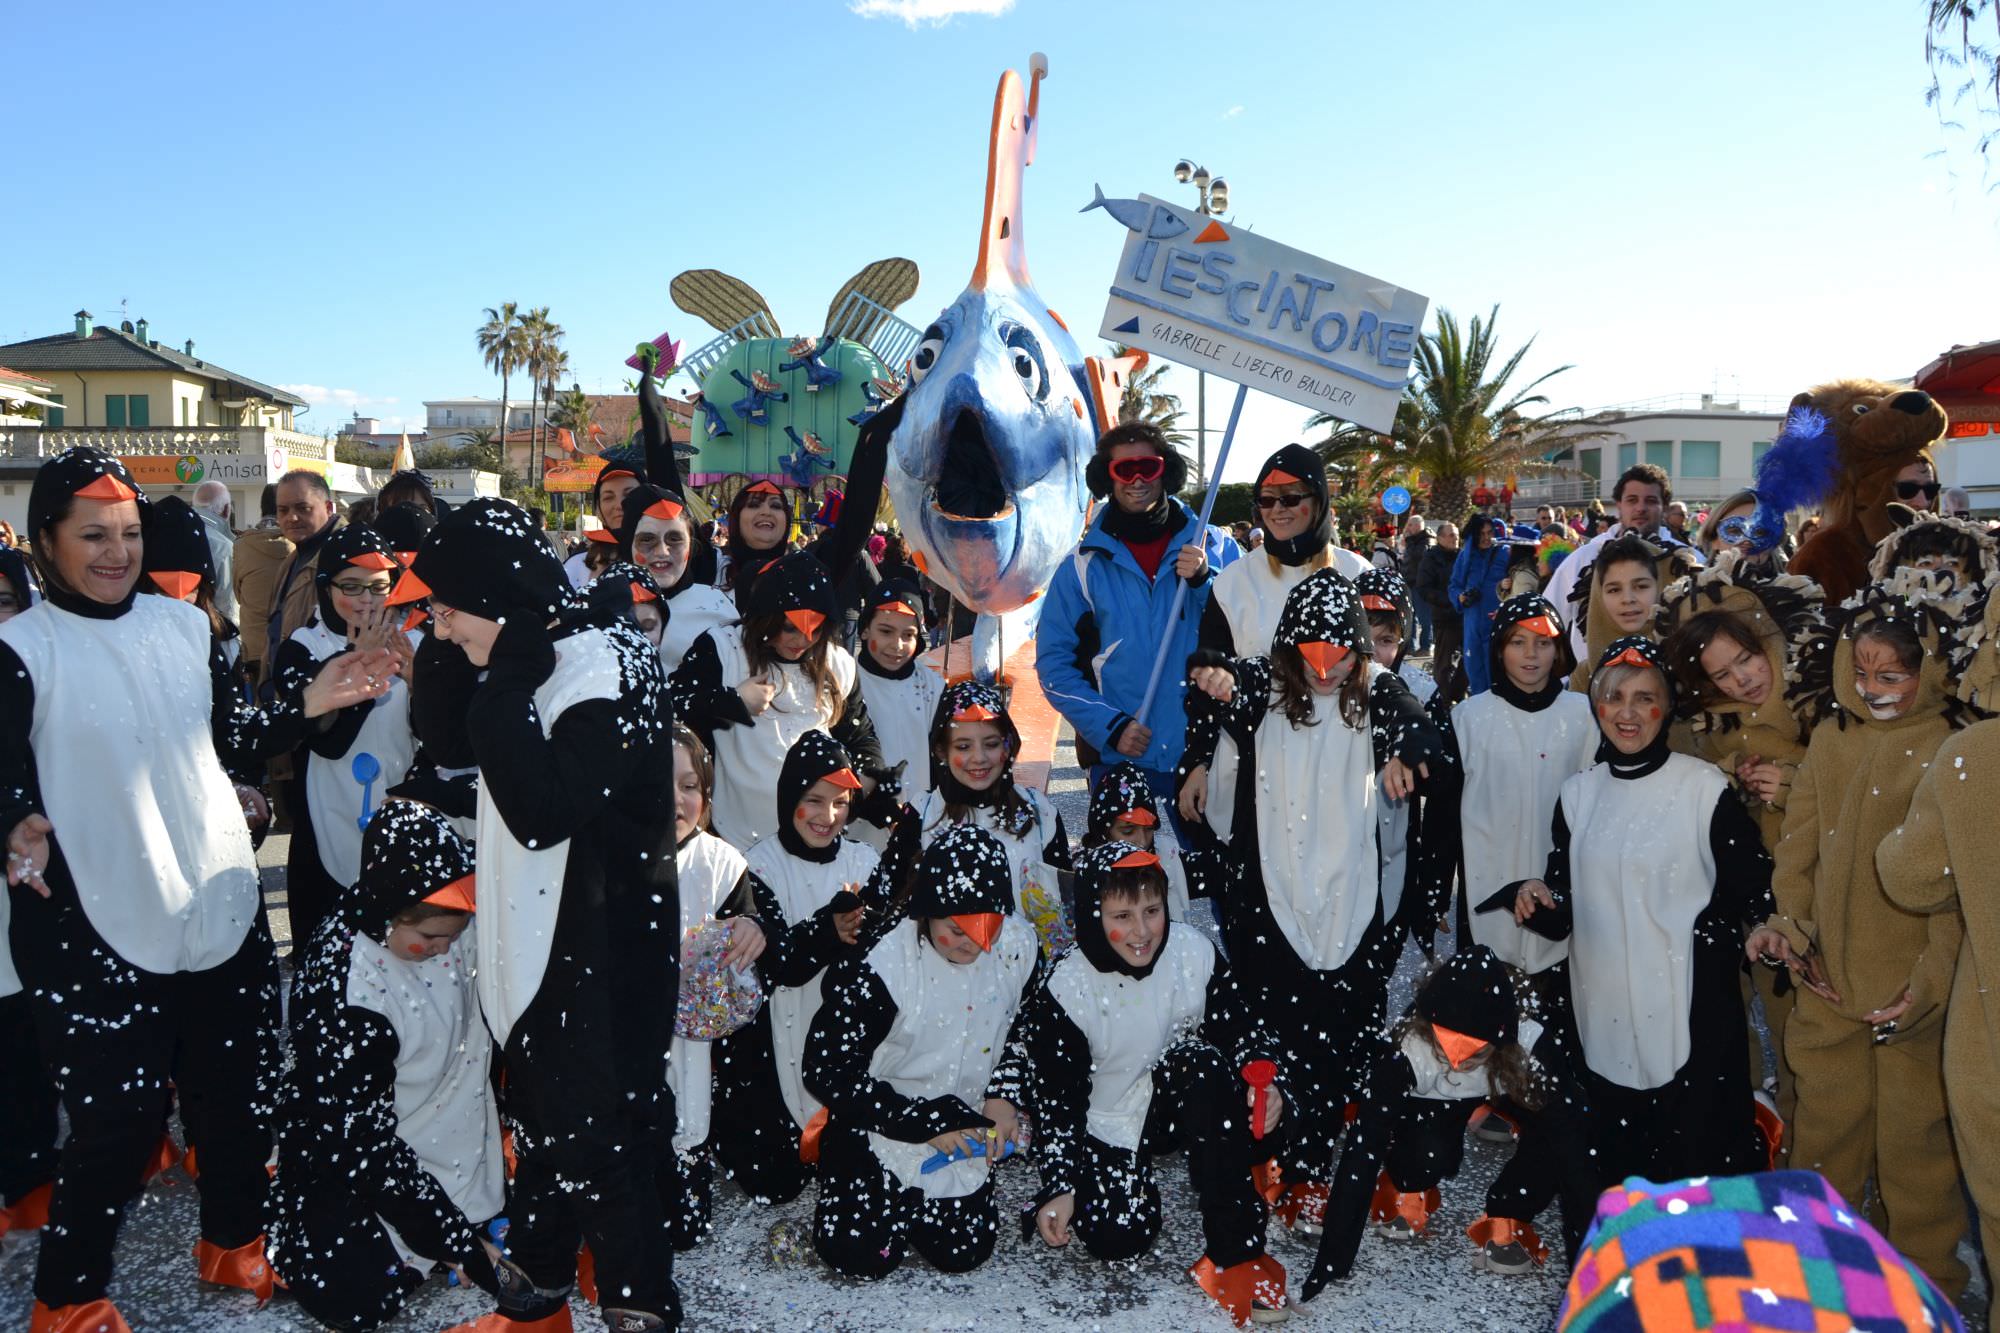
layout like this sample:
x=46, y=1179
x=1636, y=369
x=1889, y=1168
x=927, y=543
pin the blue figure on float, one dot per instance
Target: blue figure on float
x=806, y=356
x=986, y=469
x=763, y=389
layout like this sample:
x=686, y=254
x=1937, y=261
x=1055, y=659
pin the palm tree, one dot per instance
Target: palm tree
x=555, y=365
x=503, y=342
x=541, y=341
x=1457, y=420
x=572, y=412
x=1144, y=398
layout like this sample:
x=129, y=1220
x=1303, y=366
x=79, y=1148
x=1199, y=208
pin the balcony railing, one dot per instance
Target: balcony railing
x=47, y=441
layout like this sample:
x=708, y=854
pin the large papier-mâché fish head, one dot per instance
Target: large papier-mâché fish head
x=986, y=468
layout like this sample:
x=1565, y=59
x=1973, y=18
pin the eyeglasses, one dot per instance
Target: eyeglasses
x=373, y=588
x=1283, y=500
x=1910, y=490
x=1133, y=470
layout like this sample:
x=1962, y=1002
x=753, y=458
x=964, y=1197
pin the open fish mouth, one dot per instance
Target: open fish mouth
x=969, y=487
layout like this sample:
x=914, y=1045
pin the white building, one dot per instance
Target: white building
x=1709, y=449
x=445, y=418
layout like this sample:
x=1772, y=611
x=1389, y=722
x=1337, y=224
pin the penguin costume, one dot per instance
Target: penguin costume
x=1304, y=914
x=766, y=1123
x=1461, y=1044
x=749, y=749
x=1022, y=818
x=1133, y=1059
x=348, y=761
x=1386, y=603
x=576, y=939
x=1655, y=869
x=137, y=924
x=179, y=564
x=692, y=604
x=912, y=1046
x=16, y=582
x=901, y=704
x=389, y=1157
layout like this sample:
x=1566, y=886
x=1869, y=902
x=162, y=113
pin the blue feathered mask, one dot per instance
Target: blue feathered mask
x=1798, y=472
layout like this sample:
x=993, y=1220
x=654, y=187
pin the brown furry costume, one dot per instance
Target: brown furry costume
x=1869, y=1108
x=1880, y=429
x=1946, y=859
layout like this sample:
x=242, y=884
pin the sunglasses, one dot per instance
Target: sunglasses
x=1133, y=470
x=376, y=588
x=1910, y=490
x=1282, y=501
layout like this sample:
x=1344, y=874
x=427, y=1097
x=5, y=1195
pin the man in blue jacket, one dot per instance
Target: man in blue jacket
x=1109, y=607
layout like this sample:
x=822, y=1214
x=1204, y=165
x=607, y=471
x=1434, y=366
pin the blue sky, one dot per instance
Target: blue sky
x=1675, y=198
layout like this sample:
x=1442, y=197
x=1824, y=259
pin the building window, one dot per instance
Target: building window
x=1592, y=463
x=54, y=415
x=138, y=409
x=1701, y=458
x=1628, y=456
x=1758, y=449
x=1660, y=453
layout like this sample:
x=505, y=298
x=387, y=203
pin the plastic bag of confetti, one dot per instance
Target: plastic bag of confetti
x=716, y=999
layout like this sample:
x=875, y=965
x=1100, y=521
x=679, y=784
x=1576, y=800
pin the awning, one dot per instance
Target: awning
x=1966, y=381
x=23, y=396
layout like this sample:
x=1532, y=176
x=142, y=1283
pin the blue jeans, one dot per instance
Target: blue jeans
x=1420, y=633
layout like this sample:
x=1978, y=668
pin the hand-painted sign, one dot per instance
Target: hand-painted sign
x=1396, y=499
x=1219, y=298
x=572, y=474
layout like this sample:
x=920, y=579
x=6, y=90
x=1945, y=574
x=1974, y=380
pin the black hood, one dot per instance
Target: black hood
x=177, y=543
x=904, y=596
x=970, y=701
x=813, y=756
x=1513, y=611
x=404, y=526
x=1094, y=867
x=487, y=557
x=1302, y=464
x=1324, y=608
x=14, y=570
x=796, y=582
x=647, y=500
x=1471, y=993
x=1629, y=651
x=352, y=546
x=409, y=852
x=963, y=872
x=1121, y=791
x=91, y=473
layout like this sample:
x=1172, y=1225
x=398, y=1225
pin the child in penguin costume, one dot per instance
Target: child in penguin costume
x=752, y=690
x=1136, y=1045
x=1461, y=1043
x=389, y=1159
x=137, y=925
x=715, y=886
x=1123, y=810
x=919, y=1053
x=812, y=886
x=902, y=694
x=1322, y=734
x=577, y=936
x=1753, y=673
x=973, y=745
x=350, y=759
x=658, y=536
x=1866, y=1036
x=1654, y=875
x=1943, y=860
x=180, y=565
x=1386, y=603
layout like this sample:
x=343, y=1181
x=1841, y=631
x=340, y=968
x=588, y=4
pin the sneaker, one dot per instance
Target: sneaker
x=1397, y=1228
x=1492, y=1129
x=1261, y=1313
x=1509, y=1260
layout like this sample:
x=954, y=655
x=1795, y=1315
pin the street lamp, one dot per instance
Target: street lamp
x=1213, y=197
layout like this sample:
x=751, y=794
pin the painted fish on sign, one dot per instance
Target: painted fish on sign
x=1205, y=293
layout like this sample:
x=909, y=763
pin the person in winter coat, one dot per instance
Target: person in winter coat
x=1108, y=608
x=258, y=558
x=919, y=1054
x=1417, y=542
x=389, y=1157
x=1475, y=593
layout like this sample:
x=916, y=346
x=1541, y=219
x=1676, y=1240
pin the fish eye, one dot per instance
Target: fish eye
x=1024, y=353
x=928, y=352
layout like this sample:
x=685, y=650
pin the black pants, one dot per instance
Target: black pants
x=751, y=1129
x=112, y=1038
x=866, y=1220
x=687, y=1194
x=310, y=893
x=1447, y=653
x=1197, y=1105
x=589, y=1131
x=28, y=1121
x=1320, y=1021
x=343, y=1271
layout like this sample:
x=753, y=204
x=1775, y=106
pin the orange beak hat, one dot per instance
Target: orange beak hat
x=796, y=588
x=1104, y=944
x=177, y=559
x=404, y=527
x=1122, y=793
x=1469, y=1003
x=354, y=551
x=410, y=854
x=1635, y=651
x=896, y=597
x=619, y=588
x=970, y=701
x=85, y=473
x=813, y=758
x=1323, y=620
x=488, y=558
x=965, y=875
x=1536, y=615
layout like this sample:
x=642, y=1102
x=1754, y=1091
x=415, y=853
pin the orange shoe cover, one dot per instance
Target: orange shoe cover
x=1773, y=1130
x=559, y=1322
x=1302, y=1204
x=1506, y=1231
x=1416, y=1209
x=586, y=1275
x=1259, y=1281
x=244, y=1267
x=164, y=1159
x=30, y=1213
x=809, y=1137
x=98, y=1316
x=1269, y=1179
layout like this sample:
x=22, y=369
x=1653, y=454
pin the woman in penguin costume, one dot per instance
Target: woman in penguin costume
x=1654, y=876
x=716, y=884
x=919, y=1053
x=577, y=936
x=973, y=744
x=179, y=564
x=812, y=886
x=349, y=760
x=389, y=1158
x=1135, y=1046
x=751, y=690
x=658, y=535
x=137, y=925
x=1322, y=735
x=1295, y=509
x=902, y=693
x=1461, y=1044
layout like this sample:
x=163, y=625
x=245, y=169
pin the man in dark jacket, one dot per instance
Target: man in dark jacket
x=1434, y=591
x=1416, y=543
